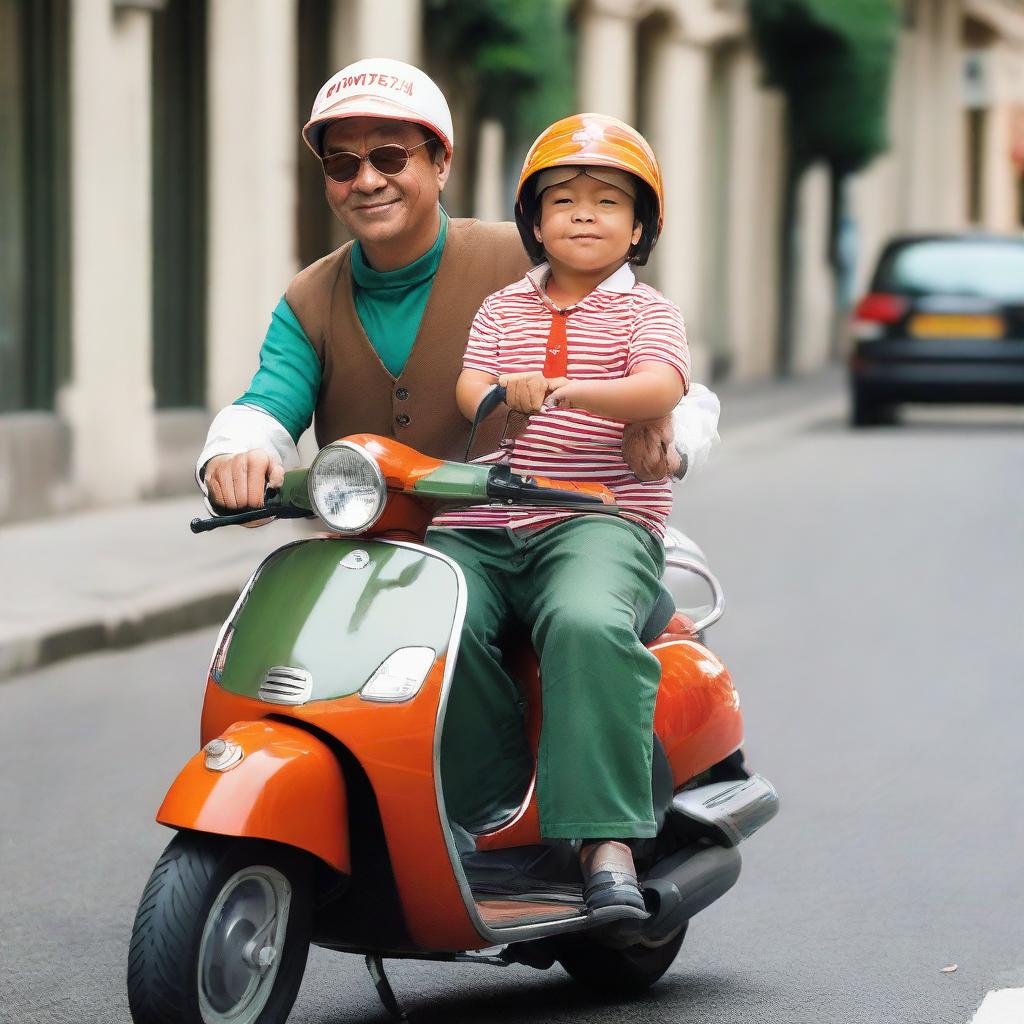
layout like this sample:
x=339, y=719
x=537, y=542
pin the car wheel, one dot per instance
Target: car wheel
x=221, y=934
x=619, y=973
x=869, y=412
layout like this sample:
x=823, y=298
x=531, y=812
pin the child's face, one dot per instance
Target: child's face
x=587, y=225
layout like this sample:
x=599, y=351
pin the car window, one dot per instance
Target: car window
x=991, y=270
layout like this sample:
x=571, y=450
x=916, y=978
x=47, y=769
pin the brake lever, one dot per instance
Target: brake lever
x=270, y=510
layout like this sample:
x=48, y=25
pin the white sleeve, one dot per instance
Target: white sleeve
x=241, y=428
x=695, y=425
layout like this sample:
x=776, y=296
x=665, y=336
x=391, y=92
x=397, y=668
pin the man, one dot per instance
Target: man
x=371, y=337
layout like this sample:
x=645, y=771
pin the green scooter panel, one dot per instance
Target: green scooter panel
x=337, y=609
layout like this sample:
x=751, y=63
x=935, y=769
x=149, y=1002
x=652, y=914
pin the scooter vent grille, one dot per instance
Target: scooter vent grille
x=286, y=685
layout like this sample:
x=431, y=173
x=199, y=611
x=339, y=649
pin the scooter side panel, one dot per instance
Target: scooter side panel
x=697, y=715
x=395, y=743
x=332, y=608
x=287, y=788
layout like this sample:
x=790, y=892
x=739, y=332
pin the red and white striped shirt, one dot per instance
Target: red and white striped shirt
x=619, y=324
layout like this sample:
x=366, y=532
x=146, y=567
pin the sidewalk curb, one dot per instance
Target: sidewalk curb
x=745, y=434
x=123, y=626
x=206, y=599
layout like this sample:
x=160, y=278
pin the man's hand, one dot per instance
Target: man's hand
x=526, y=391
x=238, y=482
x=648, y=449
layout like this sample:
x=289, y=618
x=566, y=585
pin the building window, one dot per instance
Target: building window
x=975, y=165
x=179, y=204
x=34, y=203
x=316, y=228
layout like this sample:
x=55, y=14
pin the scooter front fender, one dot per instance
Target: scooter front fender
x=287, y=787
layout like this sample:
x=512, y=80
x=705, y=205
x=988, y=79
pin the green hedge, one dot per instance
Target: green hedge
x=515, y=57
x=833, y=60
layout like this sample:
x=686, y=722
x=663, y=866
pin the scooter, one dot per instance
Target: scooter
x=315, y=812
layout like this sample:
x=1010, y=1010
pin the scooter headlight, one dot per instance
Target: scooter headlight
x=347, y=488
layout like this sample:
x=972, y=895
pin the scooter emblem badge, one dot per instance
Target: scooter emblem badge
x=357, y=559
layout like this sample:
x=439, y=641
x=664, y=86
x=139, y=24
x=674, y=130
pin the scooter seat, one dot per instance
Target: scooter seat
x=661, y=615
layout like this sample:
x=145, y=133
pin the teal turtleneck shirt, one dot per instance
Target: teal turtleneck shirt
x=390, y=306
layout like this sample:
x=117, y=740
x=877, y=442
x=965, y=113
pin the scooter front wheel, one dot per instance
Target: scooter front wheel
x=221, y=934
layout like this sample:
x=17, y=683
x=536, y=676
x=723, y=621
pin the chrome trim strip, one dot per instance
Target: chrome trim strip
x=451, y=654
x=240, y=600
x=716, y=588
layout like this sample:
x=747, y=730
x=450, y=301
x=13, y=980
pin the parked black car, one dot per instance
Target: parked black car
x=943, y=322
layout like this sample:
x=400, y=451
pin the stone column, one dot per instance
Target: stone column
x=375, y=28
x=815, y=288
x=678, y=78
x=109, y=400
x=489, y=192
x=253, y=238
x=607, y=59
x=916, y=190
x=949, y=139
x=755, y=190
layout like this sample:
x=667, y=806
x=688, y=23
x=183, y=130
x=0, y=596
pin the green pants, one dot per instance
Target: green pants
x=581, y=590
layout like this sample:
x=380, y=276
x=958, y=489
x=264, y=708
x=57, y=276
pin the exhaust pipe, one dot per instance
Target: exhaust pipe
x=723, y=814
x=684, y=884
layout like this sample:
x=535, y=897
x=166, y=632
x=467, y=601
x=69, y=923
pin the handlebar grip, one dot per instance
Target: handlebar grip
x=491, y=400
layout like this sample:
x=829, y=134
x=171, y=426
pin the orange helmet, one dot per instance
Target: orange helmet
x=593, y=140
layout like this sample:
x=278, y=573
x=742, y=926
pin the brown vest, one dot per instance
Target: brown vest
x=357, y=393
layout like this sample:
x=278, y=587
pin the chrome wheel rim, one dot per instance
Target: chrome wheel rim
x=242, y=945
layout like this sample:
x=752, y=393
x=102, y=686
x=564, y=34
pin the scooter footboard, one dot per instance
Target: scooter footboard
x=270, y=781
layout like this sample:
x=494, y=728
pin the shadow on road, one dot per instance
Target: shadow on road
x=556, y=998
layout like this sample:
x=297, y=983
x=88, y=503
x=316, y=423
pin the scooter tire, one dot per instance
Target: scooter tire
x=192, y=876
x=620, y=973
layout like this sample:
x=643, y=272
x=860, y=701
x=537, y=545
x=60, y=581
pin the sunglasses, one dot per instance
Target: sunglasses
x=389, y=160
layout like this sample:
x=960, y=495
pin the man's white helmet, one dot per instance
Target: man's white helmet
x=380, y=87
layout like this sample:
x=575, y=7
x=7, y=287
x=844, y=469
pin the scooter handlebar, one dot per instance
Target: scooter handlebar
x=491, y=400
x=510, y=488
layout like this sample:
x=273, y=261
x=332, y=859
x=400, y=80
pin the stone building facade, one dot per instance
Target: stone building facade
x=158, y=199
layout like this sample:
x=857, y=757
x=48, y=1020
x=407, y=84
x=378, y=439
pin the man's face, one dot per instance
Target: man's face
x=378, y=208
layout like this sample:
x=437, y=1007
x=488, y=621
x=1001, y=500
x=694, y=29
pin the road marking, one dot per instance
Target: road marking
x=1005, y=1006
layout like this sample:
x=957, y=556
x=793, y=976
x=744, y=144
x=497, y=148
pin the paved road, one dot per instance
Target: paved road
x=875, y=632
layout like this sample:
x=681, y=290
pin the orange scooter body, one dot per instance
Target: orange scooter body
x=334, y=609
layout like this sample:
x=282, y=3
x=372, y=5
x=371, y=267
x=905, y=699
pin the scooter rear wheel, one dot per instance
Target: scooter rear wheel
x=221, y=934
x=620, y=972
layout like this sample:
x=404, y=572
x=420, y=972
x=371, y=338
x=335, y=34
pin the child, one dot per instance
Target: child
x=583, y=349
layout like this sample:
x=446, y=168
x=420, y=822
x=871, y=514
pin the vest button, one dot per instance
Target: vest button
x=402, y=394
x=402, y=420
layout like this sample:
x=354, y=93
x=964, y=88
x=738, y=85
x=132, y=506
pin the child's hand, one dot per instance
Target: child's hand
x=526, y=391
x=565, y=394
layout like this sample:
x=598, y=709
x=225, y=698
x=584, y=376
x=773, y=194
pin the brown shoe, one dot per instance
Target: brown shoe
x=609, y=877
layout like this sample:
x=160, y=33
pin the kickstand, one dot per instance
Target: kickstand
x=375, y=965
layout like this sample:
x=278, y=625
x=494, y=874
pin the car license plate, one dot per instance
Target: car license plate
x=932, y=325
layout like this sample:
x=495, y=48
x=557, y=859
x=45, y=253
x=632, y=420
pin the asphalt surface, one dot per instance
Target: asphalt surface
x=874, y=632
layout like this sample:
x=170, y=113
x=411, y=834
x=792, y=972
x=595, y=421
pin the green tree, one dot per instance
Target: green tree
x=510, y=60
x=832, y=60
